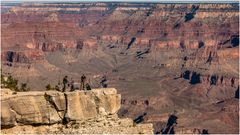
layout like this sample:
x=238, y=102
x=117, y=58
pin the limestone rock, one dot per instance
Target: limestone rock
x=57, y=99
x=89, y=112
x=5, y=92
x=51, y=106
x=80, y=106
x=108, y=99
x=8, y=117
x=30, y=108
x=85, y=105
x=102, y=111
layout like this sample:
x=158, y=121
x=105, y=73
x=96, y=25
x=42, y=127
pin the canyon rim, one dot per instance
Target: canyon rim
x=153, y=67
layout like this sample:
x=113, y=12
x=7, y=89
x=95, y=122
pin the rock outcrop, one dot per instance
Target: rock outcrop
x=97, y=107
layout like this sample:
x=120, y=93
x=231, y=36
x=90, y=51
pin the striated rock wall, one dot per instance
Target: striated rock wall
x=202, y=32
x=211, y=31
x=52, y=107
x=161, y=57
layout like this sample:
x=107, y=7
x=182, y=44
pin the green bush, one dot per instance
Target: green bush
x=12, y=83
x=24, y=87
x=2, y=80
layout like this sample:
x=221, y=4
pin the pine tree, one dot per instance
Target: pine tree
x=12, y=83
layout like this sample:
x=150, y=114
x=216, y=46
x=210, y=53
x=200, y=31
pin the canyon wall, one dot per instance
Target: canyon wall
x=161, y=57
x=204, y=36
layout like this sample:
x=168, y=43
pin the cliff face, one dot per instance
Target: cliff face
x=202, y=38
x=161, y=57
x=97, y=108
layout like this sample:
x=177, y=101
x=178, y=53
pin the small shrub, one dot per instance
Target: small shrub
x=48, y=87
x=2, y=80
x=24, y=87
x=12, y=83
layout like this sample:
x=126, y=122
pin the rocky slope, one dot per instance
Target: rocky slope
x=161, y=57
x=202, y=39
x=71, y=112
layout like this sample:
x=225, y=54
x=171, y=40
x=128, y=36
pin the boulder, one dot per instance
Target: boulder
x=80, y=105
x=108, y=99
x=57, y=99
x=85, y=105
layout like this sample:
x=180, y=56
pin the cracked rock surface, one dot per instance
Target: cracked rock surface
x=95, y=109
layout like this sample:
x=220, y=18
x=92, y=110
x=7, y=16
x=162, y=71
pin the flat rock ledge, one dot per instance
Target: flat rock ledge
x=83, y=112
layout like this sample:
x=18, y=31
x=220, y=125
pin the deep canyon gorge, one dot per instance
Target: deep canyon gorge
x=162, y=58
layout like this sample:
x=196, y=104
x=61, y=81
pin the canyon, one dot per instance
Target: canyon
x=162, y=58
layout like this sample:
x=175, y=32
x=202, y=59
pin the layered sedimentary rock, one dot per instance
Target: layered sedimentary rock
x=161, y=57
x=201, y=34
x=94, y=107
x=51, y=106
